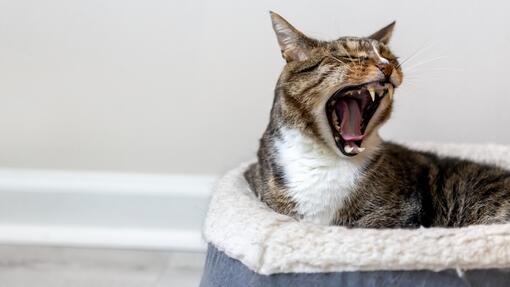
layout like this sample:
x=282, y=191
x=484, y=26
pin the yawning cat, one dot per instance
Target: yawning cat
x=321, y=158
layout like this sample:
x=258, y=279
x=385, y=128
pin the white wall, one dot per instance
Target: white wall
x=186, y=86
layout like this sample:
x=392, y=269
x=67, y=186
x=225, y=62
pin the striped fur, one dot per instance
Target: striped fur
x=301, y=172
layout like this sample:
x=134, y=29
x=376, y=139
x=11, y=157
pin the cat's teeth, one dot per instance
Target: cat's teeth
x=371, y=90
x=380, y=93
x=390, y=90
x=356, y=149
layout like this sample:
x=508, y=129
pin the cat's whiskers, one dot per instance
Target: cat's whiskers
x=410, y=68
x=427, y=72
x=446, y=69
x=414, y=54
x=417, y=77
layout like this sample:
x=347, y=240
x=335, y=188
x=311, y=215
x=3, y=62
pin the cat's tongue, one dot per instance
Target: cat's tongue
x=349, y=110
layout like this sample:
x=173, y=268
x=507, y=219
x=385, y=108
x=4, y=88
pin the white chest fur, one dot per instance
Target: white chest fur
x=318, y=180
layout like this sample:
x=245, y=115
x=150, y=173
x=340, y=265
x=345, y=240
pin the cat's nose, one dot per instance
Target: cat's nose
x=386, y=68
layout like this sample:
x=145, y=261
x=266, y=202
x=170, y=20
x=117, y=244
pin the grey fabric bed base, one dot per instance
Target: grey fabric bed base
x=223, y=271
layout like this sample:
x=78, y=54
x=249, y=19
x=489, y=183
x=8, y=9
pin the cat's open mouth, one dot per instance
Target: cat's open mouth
x=349, y=111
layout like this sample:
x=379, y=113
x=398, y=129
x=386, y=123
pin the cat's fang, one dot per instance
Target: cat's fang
x=348, y=149
x=390, y=90
x=371, y=90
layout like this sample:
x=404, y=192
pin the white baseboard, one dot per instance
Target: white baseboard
x=100, y=209
x=101, y=237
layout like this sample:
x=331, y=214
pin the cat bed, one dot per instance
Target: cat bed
x=251, y=245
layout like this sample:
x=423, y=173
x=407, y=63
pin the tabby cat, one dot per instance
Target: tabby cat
x=321, y=158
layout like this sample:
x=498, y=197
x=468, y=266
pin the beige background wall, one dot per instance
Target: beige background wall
x=186, y=86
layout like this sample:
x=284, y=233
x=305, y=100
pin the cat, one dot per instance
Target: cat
x=321, y=158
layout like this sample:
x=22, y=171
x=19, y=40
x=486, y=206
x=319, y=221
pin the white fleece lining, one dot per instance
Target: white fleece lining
x=244, y=228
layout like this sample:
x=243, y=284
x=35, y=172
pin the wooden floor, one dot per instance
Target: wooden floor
x=77, y=267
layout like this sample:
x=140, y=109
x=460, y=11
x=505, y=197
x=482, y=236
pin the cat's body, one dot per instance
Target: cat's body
x=344, y=174
x=391, y=186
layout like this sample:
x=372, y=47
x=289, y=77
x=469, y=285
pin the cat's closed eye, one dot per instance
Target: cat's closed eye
x=353, y=58
x=310, y=67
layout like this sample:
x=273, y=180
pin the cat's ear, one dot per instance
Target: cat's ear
x=384, y=34
x=295, y=46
